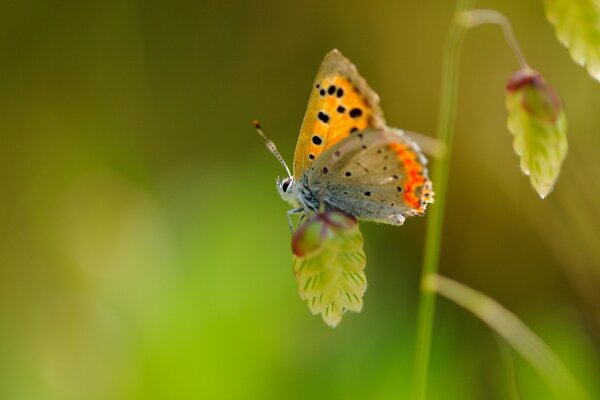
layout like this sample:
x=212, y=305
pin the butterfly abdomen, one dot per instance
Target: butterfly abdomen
x=310, y=201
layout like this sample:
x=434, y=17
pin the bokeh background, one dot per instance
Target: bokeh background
x=145, y=254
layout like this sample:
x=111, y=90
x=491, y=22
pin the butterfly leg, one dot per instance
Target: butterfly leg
x=289, y=216
x=301, y=219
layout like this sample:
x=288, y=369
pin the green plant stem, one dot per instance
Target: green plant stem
x=445, y=132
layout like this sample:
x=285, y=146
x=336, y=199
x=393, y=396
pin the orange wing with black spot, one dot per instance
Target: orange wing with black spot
x=341, y=102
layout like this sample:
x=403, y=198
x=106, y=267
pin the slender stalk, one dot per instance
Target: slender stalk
x=445, y=132
x=475, y=18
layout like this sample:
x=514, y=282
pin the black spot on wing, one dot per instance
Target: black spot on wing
x=323, y=117
x=355, y=112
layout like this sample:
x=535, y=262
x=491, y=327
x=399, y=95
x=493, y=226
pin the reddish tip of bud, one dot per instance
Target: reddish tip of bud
x=256, y=124
x=522, y=78
x=538, y=98
x=339, y=220
x=310, y=237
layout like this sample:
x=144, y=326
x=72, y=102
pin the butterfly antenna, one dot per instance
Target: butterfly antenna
x=271, y=147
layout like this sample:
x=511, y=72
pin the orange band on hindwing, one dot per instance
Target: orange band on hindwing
x=417, y=188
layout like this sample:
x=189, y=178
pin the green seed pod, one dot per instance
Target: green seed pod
x=328, y=264
x=537, y=120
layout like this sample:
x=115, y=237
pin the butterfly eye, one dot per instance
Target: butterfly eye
x=286, y=184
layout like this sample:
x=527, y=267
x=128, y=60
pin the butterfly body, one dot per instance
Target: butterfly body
x=346, y=157
x=374, y=175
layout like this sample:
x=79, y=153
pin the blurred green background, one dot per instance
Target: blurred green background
x=144, y=251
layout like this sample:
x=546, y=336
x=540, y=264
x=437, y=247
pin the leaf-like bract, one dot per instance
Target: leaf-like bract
x=539, y=125
x=328, y=264
x=577, y=26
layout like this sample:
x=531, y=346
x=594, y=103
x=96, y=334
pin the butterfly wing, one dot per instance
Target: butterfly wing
x=341, y=102
x=376, y=175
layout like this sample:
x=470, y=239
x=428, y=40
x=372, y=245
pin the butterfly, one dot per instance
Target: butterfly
x=347, y=158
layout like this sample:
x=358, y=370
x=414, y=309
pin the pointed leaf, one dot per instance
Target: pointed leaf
x=577, y=26
x=538, y=122
x=328, y=264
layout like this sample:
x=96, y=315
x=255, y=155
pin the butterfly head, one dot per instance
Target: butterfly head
x=288, y=191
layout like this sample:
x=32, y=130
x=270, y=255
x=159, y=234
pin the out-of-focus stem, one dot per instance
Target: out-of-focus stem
x=445, y=133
